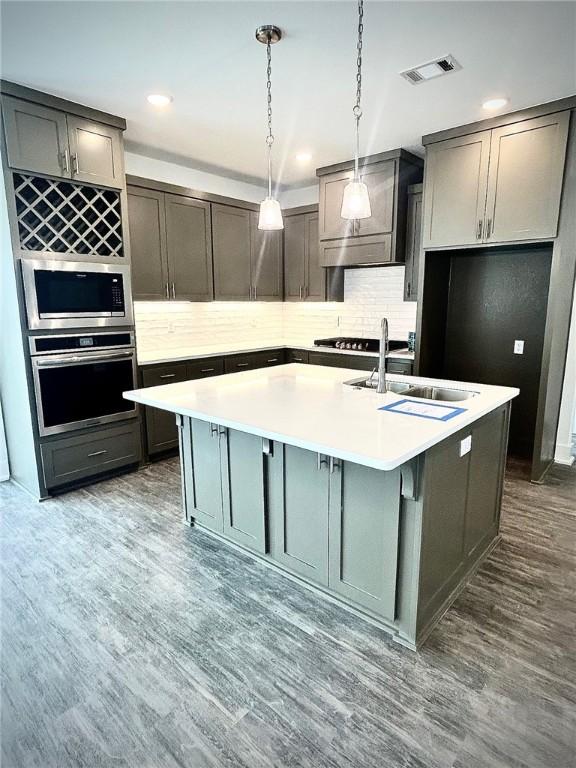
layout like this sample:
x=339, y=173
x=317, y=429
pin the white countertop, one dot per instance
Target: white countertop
x=310, y=407
x=211, y=350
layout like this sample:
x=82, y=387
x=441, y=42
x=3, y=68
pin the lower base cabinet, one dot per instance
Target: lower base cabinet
x=334, y=523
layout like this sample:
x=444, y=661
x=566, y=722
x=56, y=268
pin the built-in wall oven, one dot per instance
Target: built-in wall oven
x=79, y=380
x=72, y=294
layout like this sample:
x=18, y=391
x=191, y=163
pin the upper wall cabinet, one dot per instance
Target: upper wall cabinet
x=496, y=186
x=413, y=242
x=304, y=278
x=379, y=239
x=247, y=261
x=171, y=246
x=44, y=140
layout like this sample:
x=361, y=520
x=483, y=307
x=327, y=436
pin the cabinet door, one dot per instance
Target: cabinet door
x=525, y=180
x=243, y=491
x=364, y=517
x=203, y=484
x=147, y=223
x=455, y=190
x=294, y=257
x=379, y=178
x=297, y=356
x=231, y=246
x=413, y=246
x=332, y=225
x=36, y=138
x=315, y=279
x=299, y=505
x=161, y=430
x=265, y=262
x=96, y=152
x=189, y=248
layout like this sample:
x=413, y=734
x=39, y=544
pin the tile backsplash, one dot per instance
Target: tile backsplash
x=369, y=294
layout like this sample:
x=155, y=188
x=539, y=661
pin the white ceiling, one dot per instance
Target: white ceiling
x=110, y=55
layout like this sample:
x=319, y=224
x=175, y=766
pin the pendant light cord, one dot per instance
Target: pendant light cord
x=270, y=137
x=357, y=110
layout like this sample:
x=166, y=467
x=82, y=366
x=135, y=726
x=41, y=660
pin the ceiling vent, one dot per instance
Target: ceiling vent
x=431, y=69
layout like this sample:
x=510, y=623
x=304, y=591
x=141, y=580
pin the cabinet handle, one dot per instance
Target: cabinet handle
x=488, y=228
x=242, y=365
x=408, y=289
x=255, y=293
x=167, y=375
x=272, y=360
x=222, y=430
x=66, y=159
x=167, y=291
x=300, y=292
x=213, y=430
x=173, y=290
x=96, y=453
x=334, y=464
x=479, y=230
x=321, y=460
x=206, y=370
x=297, y=360
x=75, y=167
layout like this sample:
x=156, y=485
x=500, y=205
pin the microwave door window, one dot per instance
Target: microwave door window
x=62, y=293
x=80, y=392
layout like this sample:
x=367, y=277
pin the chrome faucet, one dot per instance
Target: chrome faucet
x=382, y=356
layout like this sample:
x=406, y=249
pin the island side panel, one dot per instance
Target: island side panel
x=461, y=497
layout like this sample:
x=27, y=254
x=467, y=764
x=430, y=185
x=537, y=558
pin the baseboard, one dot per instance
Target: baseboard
x=564, y=455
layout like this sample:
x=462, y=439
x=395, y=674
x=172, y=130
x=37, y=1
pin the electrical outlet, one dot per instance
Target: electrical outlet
x=519, y=347
x=466, y=445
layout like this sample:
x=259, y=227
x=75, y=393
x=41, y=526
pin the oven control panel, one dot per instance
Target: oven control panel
x=43, y=345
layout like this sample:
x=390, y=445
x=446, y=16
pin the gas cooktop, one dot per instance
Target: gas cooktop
x=361, y=345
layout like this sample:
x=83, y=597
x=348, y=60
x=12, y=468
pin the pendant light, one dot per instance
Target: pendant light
x=356, y=201
x=270, y=213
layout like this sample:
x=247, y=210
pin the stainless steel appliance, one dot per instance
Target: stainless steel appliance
x=73, y=294
x=79, y=380
x=360, y=345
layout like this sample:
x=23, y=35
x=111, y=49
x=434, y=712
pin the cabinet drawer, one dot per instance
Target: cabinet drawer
x=236, y=363
x=399, y=366
x=164, y=374
x=336, y=360
x=201, y=369
x=297, y=356
x=355, y=251
x=75, y=458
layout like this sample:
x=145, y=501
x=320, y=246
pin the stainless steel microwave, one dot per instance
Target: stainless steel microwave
x=73, y=294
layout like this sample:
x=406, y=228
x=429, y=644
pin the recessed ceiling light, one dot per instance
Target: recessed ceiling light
x=304, y=157
x=159, y=99
x=495, y=103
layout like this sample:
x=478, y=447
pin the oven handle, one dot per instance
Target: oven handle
x=47, y=362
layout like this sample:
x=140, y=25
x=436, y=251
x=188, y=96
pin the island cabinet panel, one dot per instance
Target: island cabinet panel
x=203, y=487
x=243, y=492
x=364, y=519
x=299, y=488
x=455, y=190
x=231, y=247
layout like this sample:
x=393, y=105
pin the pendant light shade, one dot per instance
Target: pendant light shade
x=270, y=215
x=356, y=201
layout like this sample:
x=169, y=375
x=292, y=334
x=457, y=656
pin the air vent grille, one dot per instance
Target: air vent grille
x=431, y=69
x=62, y=217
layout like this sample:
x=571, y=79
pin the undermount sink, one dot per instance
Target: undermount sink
x=445, y=394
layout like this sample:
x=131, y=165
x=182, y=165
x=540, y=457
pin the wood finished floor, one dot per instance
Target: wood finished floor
x=130, y=640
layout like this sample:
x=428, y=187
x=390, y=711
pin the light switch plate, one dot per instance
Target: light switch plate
x=466, y=445
x=519, y=347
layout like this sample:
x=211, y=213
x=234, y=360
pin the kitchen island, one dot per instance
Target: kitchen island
x=387, y=511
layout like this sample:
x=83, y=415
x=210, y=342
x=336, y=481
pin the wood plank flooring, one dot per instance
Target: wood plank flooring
x=131, y=641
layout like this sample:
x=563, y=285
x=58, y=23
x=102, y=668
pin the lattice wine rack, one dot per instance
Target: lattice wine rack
x=62, y=217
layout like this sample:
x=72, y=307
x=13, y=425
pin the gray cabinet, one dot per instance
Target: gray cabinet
x=265, y=262
x=299, y=493
x=399, y=366
x=189, y=248
x=231, y=249
x=251, y=360
x=47, y=141
x=343, y=360
x=413, y=242
x=147, y=224
x=496, y=186
x=379, y=239
x=363, y=539
x=297, y=356
x=171, y=246
x=96, y=152
x=36, y=138
x=227, y=489
x=161, y=431
x=304, y=278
